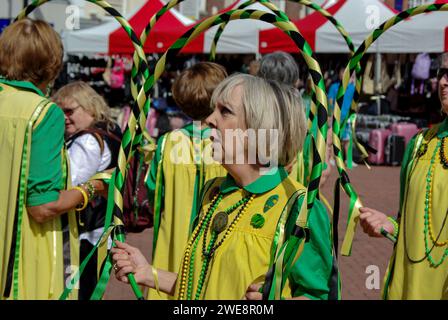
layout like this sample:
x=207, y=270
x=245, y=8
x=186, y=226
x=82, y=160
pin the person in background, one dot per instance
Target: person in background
x=281, y=66
x=93, y=142
x=181, y=166
x=39, y=247
x=254, y=66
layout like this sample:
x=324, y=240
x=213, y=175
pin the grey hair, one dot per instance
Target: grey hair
x=269, y=105
x=279, y=66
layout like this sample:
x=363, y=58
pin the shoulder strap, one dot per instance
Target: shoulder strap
x=47, y=104
x=94, y=132
x=108, y=134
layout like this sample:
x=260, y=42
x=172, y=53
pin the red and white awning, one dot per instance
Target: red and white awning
x=111, y=38
x=358, y=17
x=426, y=32
x=239, y=36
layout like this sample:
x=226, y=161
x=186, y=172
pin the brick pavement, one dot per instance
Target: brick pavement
x=378, y=188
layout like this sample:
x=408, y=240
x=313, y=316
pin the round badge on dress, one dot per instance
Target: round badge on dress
x=220, y=222
x=257, y=221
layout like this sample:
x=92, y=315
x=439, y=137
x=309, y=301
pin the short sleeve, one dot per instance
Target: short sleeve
x=310, y=276
x=45, y=171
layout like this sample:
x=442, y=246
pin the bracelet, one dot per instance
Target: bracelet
x=156, y=279
x=85, y=198
x=396, y=227
x=90, y=189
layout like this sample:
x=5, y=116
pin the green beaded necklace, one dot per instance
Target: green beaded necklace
x=219, y=224
x=428, y=199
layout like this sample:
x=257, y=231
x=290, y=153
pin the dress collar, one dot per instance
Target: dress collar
x=263, y=184
x=22, y=85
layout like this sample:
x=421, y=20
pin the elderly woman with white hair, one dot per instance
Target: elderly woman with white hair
x=230, y=249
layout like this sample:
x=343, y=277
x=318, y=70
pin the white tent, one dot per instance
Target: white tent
x=421, y=33
x=239, y=36
x=111, y=38
x=358, y=17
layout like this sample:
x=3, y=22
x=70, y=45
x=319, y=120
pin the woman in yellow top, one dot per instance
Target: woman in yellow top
x=38, y=232
x=258, y=127
x=418, y=268
x=182, y=164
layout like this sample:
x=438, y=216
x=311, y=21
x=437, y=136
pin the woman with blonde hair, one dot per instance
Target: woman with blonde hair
x=93, y=142
x=39, y=247
x=258, y=126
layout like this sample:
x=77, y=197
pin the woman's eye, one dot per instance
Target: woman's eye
x=225, y=110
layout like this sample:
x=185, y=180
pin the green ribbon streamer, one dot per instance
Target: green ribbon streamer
x=105, y=275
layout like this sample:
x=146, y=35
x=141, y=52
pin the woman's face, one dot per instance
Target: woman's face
x=76, y=117
x=228, y=129
x=443, y=87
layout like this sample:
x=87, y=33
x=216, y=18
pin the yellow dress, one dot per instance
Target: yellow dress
x=244, y=256
x=417, y=279
x=36, y=250
x=183, y=179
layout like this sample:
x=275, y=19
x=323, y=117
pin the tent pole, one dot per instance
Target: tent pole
x=378, y=83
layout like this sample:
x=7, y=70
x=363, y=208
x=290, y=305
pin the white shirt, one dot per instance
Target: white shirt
x=86, y=158
x=85, y=161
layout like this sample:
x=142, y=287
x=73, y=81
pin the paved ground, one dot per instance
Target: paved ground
x=378, y=188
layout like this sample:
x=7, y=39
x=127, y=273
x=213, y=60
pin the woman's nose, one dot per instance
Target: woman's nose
x=211, y=120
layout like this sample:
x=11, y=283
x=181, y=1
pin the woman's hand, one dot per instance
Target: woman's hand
x=128, y=259
x=253, y=292
x=372, y=221
x=101, y=188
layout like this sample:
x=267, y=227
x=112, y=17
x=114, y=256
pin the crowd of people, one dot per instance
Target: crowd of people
x=227, y=190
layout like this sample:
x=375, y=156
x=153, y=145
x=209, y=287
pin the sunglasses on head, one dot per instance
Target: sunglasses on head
x=442, y=72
